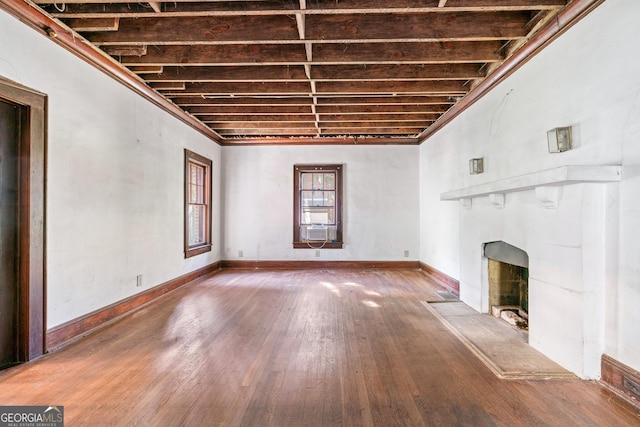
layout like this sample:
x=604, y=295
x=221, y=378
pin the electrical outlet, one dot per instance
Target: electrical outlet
x=406, y=254
x=139, y=280
x=240, y=254
x=317, y=253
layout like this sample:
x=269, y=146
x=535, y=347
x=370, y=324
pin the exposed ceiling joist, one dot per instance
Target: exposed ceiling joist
x=321, y=71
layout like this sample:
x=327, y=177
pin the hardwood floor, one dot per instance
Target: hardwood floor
x=295, y=348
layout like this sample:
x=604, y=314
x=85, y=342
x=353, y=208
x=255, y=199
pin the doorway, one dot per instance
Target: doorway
x=22, y=222
x=9, y=285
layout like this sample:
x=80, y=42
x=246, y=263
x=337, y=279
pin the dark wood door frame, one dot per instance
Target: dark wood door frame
x=31, y=217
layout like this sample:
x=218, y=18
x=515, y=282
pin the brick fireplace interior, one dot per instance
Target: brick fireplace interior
x=508, y=283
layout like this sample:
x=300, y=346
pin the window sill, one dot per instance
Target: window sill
x=318, y=245
x=197, y=251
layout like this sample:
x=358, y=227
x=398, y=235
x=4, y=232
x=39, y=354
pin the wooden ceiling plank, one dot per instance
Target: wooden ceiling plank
x=93, y=24
x=438, y=101
x=255, y=110
x=252, y=73
x=307, y=131
x=187, y=101
x=131, y=50
x=499, y=5
x=370, y=124
x=428, y=26
x=324, y=54
x=146, y=69
x=200, y=29
x=222, y=126
x=386, y=116
x=240, y=88
x=372, y=131
x=284, y=118
x=201, y=9
x=243, y=54
x=428, y=53
x=335, y=7
x=386, y=100
x=367, y=109
x=458, y=26
x=168, y=86
x=385, y=6
x=170, y=9
x=396, y=87
x=386, y=72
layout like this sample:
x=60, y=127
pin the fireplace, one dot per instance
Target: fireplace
x=508, y=276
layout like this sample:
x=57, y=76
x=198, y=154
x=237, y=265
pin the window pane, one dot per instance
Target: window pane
x=307, y=198
x=318, y=181
x=318, y=198
x=313, y=215
x=306, y=181
x=329, y=198
x=193, y=193
x=200, y=173
x=329, y=181
x=192, y=173
x=197, y=223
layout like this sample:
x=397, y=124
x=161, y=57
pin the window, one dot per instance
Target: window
x=317, y=211
x=197, y=204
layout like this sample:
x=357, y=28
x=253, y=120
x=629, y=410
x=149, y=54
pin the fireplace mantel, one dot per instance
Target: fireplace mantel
x=563, y=175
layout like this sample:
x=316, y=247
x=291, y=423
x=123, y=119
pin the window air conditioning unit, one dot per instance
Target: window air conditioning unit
x=318, y=232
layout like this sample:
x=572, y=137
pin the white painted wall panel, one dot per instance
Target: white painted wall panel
x=585, y=255
x=114, y=179
x=380, y=202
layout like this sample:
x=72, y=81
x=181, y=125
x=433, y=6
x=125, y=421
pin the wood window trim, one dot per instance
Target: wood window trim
x=298, y=243
x=189, y=158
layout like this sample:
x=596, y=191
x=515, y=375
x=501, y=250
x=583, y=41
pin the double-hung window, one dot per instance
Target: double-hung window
x=317, y=206
x=197, y=206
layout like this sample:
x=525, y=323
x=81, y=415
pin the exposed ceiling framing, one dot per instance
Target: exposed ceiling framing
x=312, y=71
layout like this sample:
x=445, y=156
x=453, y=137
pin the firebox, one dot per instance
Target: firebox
x=508, y=283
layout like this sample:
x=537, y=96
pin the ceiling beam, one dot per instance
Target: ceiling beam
x=285, y=8
x=323, y=54
x=255, y=110
x=318, y=29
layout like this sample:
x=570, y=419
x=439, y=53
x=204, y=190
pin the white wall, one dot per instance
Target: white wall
x=380, y=212
x=114, y=179
x=584, y=255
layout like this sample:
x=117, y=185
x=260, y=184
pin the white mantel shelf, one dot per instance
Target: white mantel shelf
x=563, y=175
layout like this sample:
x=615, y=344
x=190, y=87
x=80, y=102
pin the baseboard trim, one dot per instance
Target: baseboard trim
x=68, y=332
x=621, y=379
x=326, y=265
x=444, y=279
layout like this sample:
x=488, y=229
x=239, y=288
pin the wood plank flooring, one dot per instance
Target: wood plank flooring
x=295, y=348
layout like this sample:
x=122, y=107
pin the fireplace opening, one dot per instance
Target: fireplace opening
x=508, y=283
